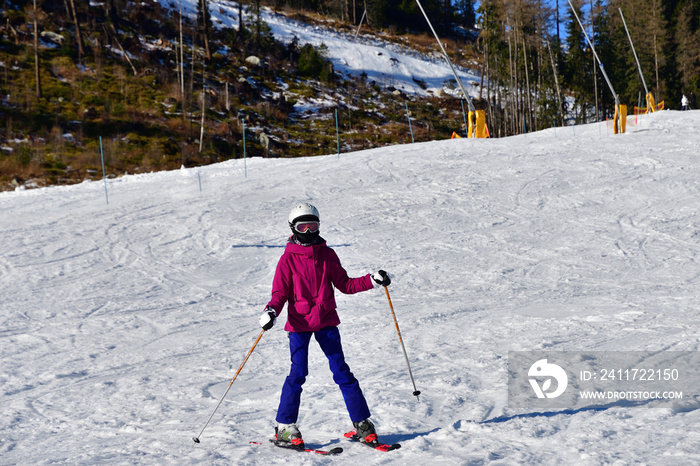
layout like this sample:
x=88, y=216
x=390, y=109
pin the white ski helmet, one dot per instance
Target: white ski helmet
x=302, y=212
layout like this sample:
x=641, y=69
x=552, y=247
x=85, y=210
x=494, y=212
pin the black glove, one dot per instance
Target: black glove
x=267, y=319
x=381, y=278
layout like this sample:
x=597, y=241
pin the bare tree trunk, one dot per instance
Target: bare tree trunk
x=191, y=106
x=539, y=48
x=517, y=88
x=126, y=56
x=204, y=107
x=205, y=28
x=556, y=80
x=182, y=69
x=488, y=72
x=558, y=32
x=595, y=67
x=65, y=4
x=527, y=86
x=656, y=54
x=510, y=117
x=502, y=106
x=36, y=53
x=78, y=34
x=484, y=64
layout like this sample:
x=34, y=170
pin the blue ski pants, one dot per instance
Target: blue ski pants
x=329, y=340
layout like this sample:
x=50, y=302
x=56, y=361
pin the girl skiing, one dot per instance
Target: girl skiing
x=305, y=278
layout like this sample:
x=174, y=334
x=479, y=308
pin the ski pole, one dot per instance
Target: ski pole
x=196, y=439
x=416, y=392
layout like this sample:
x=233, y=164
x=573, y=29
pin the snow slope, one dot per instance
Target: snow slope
x=383, y=62
x=121, y=325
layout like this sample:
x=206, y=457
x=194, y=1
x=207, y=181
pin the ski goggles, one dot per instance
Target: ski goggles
x=304, y=227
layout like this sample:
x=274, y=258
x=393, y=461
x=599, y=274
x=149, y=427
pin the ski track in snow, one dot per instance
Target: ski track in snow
x=121, y=325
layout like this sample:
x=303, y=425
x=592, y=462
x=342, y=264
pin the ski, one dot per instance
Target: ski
x=352, y=435
x=332, y=451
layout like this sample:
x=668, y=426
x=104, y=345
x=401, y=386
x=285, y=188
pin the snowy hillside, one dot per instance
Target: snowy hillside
x=121, y=325
x=383, y=62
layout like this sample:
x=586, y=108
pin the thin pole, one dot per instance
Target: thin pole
x=204, y=105
x=639, y=106
x=360, y=25
x=464, y=114
x=447, y=58
x=337, y=134
x=104, y=174
x=416, y=392
x=245, y=166
x=182, y=64
x=600, y=64
x=639, y=67
x=196, y=439
x=595, y=75
x=408, y=116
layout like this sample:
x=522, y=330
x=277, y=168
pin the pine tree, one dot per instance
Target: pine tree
x=688, y=41
x=608, y=54
x=493, y=46
x=643, y=22
x=465, y=12
x=577, y=63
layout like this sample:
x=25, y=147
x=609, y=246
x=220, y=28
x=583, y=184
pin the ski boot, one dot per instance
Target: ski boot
x=288, y=436
x=366, y=433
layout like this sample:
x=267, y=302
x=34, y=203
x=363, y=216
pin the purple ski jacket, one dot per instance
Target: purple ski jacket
x=304, y=279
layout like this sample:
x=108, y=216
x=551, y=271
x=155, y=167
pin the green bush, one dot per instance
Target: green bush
x=24, y=155
x=53, y=166
x=311, y=61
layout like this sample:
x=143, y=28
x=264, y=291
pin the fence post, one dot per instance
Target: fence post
x=408, y=116
x=104, y=174
x=245, y=167
x=337, y=133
